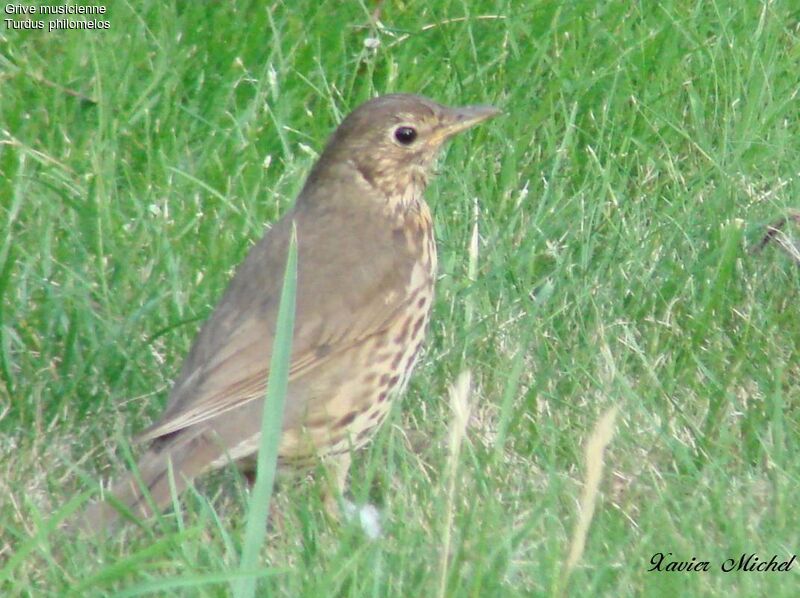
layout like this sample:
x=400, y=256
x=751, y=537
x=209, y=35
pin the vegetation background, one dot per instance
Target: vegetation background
x=644, y=148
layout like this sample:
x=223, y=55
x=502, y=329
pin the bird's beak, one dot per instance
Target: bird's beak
x=455, y=120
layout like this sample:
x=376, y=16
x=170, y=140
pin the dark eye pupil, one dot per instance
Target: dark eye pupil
x=405, y=135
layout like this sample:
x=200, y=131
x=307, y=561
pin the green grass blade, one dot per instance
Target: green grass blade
x=270, y=426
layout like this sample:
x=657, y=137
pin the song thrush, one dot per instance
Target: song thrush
x=365, y=278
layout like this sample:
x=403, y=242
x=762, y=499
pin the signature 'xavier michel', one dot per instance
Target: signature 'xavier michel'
x=365, y=277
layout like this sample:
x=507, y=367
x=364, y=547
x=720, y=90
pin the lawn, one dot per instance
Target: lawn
x=642, y=153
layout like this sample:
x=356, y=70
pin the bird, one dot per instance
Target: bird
x=366, y=267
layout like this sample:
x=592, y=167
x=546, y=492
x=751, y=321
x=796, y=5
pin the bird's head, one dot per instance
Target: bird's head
x=391, y=142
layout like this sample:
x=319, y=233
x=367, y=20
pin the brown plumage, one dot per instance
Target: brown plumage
x=366, y=269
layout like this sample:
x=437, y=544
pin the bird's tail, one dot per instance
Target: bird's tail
x=150, y=488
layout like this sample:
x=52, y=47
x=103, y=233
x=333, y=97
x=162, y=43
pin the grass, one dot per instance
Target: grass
x=642, y=151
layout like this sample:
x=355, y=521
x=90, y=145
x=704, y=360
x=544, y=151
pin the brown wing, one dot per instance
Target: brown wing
x=342, y=299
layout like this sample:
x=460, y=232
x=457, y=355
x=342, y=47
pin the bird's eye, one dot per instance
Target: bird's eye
x=405, y=135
